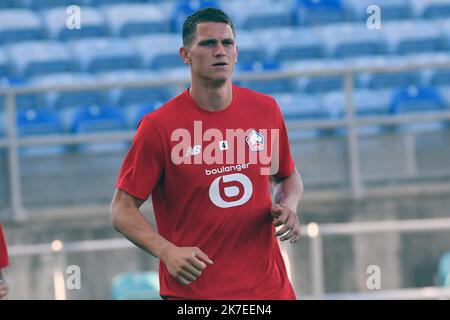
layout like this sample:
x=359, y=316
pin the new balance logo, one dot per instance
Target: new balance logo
x=192, y=151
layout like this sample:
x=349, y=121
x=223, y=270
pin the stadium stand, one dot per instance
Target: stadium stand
x=105, y=54
x=19, y=25
x=56, y=19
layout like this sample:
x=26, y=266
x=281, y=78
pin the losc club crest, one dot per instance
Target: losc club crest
x=255, y=141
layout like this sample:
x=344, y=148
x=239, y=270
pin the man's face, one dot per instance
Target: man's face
x=213, y=52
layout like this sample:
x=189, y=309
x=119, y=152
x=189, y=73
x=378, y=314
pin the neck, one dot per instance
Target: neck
x=214, y=97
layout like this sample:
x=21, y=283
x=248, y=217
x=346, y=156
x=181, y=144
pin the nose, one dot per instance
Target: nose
x=220, y=50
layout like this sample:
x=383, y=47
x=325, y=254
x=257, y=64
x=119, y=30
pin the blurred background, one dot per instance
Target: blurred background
x=366, y=98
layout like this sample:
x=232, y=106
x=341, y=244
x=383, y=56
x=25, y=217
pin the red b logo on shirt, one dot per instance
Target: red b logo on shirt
x=230, y=190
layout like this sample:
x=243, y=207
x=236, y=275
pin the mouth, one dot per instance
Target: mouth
x=220, y=64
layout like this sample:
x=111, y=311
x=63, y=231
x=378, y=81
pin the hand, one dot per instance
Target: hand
x=185, y=263
x=3, y=289
x=286, y=217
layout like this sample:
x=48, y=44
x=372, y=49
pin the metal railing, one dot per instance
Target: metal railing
x=315, y=232
x=12, y=142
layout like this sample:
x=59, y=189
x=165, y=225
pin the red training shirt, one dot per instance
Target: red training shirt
x=221, y=206
x=4, y=261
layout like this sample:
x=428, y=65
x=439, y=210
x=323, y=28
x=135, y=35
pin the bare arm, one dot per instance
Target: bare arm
x=287, y=193
x=183, y=263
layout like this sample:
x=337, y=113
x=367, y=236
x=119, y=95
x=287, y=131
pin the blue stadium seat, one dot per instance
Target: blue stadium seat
x=95, y=118
x=386, y=80
x=100, y=3
x=6, y=4
x=70, y=99
x=250, y=48
x=185, y=8
x=42, y=4
x=432, y=9
x=320, y=12
x=136, y=286
x=365, y=103
x=444, y=270
x=290, y=44
x=34, y=58
x=409, y=37
x=131, y=96
x=2, y=123
x=159, y=51
x=93, y=24
x=38, y=122
x=351, y=40
x=98, y=118
x=265, y=86
x=127, y=20
x=390, y=9
x=416, y=99
x=300, y=106
x=4, y=67
x=105, y=54
x=259, y=14
x=22, y=101
x=18, y=25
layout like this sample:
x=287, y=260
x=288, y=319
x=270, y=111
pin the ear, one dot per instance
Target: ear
x=184, y=54
x=237, y=54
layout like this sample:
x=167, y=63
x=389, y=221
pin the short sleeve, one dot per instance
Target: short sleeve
x=282, y=151
x=4, y=260
x=143, y=165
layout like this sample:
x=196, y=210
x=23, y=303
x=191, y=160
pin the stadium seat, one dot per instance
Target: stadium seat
x=300, y=106
x=250, y=48
x=127, y=20
x=320, y=12
x=265, y=86
x=136, y=286
x=444, y=270
x=38, y=122
x=18, y=25
x=22, y=101
x=259, y=14
x=348, y=40
x=95, y=118
x=93, y=24
x=290, y=44
x=70, y=99
x=42, y=4
x=130, y=96
x=185, y=8
x=4, y=67
x=432, y=9
x=390, y=9
x=382, y=79
x=35, y=58
x=408, y=37
x=159, y=51
x=415, y=99
x=365, y=103
x=105, y=54
x=100, y=3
